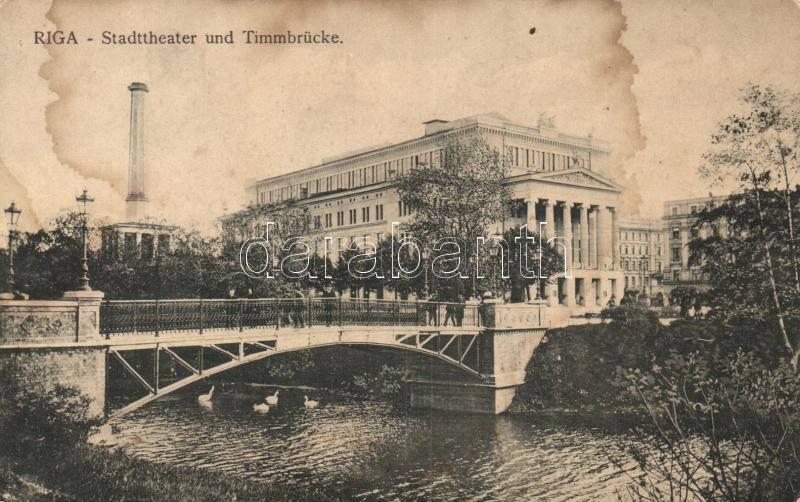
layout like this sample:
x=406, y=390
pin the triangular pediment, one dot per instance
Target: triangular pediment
x=578, y=177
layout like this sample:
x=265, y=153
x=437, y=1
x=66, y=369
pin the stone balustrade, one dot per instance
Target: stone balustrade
x=74, y=319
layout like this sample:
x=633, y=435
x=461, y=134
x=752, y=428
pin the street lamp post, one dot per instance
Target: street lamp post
x=424, y=256
x=12, y=213
x=84, y=199
x=495, y=251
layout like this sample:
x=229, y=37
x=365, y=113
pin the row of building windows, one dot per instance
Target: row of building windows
x=693, y=209
x=354, y=178
x=384, y=171
x=640, y=265
x=352, y=217
x=638, y=236
x=639, y=250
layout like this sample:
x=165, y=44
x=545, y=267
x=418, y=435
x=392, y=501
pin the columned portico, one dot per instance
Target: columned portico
x=578, y=208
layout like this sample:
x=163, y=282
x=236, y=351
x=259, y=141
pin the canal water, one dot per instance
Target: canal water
x=377, y=450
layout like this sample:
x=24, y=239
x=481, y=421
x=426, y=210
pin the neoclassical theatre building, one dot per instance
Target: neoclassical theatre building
x=554, y=177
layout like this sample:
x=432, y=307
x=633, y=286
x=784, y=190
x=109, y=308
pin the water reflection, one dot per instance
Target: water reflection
x=377, y=450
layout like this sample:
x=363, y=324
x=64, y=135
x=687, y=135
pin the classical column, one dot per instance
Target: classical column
x=615, y=239
x=604, y=239
x=551, y=293
x=567, y=217
x=584, y=234
x=602, y=294
x=569, y=291
x=550, y=228
x=532, y=225
x=593, y=238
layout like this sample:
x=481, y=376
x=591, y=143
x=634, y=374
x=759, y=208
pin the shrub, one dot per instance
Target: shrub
x=720, y=429
x=53, y=416
x=572, y=366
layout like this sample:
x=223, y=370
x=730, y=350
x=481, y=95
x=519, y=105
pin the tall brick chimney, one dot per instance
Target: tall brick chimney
x=136, y=203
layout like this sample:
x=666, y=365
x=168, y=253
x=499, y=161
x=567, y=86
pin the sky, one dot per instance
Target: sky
x=652, y=78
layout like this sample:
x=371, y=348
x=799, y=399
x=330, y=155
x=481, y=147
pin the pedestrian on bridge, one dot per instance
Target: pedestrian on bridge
x=298, y=308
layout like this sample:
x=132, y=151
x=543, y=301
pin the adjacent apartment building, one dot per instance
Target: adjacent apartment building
x=679, y=218
x=554, y=177
x=642, y=254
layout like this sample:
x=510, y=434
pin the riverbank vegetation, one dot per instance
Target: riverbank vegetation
x=46, y=456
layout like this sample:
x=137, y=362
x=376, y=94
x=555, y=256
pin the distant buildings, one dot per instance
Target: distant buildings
x=642, y=254
x=679, y=218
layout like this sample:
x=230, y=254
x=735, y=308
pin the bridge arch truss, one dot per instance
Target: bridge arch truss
x=456, y=346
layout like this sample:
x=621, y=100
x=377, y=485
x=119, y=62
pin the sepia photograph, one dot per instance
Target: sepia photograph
x=483, y=250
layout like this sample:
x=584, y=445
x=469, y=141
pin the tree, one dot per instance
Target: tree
x=459, y=195
x=757, y=149
x=530, y=256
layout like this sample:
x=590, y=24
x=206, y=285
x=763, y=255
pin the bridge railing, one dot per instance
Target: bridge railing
x=125, y=317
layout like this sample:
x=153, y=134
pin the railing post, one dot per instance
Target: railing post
x=241, y=314
x=158, y=317
x=135, y=317
x=341, y=308
x=310, y=314
x=201, y=316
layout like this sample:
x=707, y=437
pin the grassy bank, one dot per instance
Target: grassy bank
x=88, y=472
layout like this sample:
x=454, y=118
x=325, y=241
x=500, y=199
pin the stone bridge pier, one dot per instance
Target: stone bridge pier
x=510, y=334
x=46, y=343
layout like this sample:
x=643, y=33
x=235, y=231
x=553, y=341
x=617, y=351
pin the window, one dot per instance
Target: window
x=340, y=218
x=675, y=211
x=129, y=242
x=693, y=210
x=163, y=243
x=147, y=246
x=379, y=212
x=518, y=209
x=676, y=275
x=317, y=222
x=676, y=254
x=328, y=220
x=365, y=214
x=352, y=217
x=676, y=233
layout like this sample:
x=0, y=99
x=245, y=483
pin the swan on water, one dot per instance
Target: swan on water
x=261, y=408
x=273, y=399
x=309, y=403
x=206, y=398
